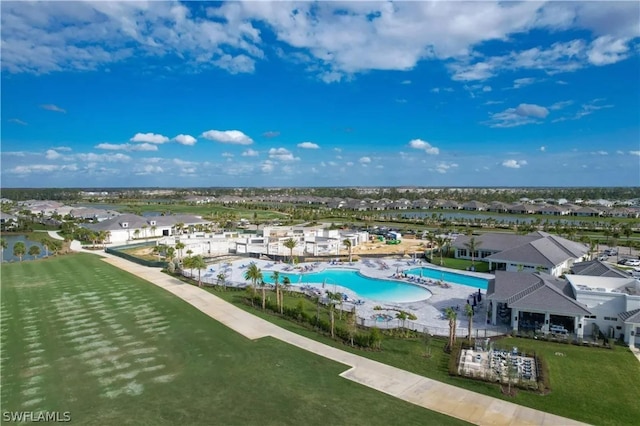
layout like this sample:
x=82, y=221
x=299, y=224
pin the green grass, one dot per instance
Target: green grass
x=597, y=386
x=82, y=336
x=461, y=264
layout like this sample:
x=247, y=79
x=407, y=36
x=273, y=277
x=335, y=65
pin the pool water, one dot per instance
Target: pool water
x=364, y=287
x=451, y=277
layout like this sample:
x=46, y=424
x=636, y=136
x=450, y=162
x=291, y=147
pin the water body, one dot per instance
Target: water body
x=364, y=287
x=8, y=256
x=451, y=277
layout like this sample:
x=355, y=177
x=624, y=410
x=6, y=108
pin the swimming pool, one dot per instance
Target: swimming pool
x=451, y=277
x=365, y=287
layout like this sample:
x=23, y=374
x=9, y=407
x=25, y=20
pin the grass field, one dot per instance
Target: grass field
x=81, y=336
x=593, y=385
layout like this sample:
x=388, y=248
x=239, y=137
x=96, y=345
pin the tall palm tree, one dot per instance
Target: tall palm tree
x=333, y=299
x=19, y=250
x=170, y=253
x=627, y=231
x=452, y=316
x=431, y=237
x=348, y=245
x=290, y=243
x=198, y=263
x=180, y=246
x=472, y=245
x=468, y=311
x=286, y=283
x=144, y=230
x=153, y=230
x=276, y=278
x=441, y=241
x=253, y=274
x=4, y=245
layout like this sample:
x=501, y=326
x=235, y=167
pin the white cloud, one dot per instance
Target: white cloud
x=308, y=145
x=127, y=147
x=607, y=50
x=250, y=153
x=424, y=146
x=148, y=169
x=149, y=138
x=543, y=148
x=337, y=149
x=54, y=108
x=585, y=110
x=282, y=154
x=18, y=121
x=271, y=134
x=601, y=152
x=99, y=158
x=185, y=140
x=637, y=153
x=522, y=82
x=349, y=163
x=62, y=148
x=42, y=168
x=183, y=163
x=365, y=160
x=235, y=137
x=444, y=167
x=96, y=34
x=560, y=105
x=514, y=164
x=267, y=166
x=52, y=154
x=521, y=115
x=227, y=155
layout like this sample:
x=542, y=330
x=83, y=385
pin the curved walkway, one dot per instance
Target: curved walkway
x=55, y=235
x=431, y=394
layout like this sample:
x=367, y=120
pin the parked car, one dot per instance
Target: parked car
x=623, y=261
x=611, y=252
x=633, y=262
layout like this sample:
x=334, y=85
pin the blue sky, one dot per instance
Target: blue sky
x=320, y=94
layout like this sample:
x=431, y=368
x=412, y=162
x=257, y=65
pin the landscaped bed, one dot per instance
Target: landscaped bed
x=81, y=336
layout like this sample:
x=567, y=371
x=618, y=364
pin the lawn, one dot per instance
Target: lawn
x=593, y=385
x=461, y=264
x=82, y=336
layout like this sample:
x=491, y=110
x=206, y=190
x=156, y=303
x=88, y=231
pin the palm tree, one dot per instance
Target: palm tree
x=431, y=237
x=198, y=262
x=45, y=244
x=153, y=230
x=452, y=316
x=441, y=241
x=276, y=277
x=468, y=310
x=352, y=325
x=144, y=230
x=189, y=252
x=627, y=231
x=19, y=250
x=333, y=298
x=290, y=243
x=34, y=251
x=4, y=245
x=348, y=245
x=179, y=247
x=187, y=263
x=136, y=233
x=472, y=245
x=286, y=283
x=253, y=274
x=170, y=253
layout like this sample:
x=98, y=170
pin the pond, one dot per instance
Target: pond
x=7, y=255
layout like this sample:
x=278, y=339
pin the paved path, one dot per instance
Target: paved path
x=431, y=394
x=55, y=235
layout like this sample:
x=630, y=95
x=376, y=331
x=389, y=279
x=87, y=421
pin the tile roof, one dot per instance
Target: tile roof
x=596, y=268
x=536, y=291
x=630, y=316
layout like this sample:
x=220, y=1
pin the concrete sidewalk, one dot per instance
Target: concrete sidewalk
x=431, y=394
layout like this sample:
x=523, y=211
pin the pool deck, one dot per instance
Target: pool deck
x=431, y=394
x=429, y=311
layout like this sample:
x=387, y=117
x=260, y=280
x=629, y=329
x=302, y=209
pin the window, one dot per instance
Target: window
x=610, y=319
